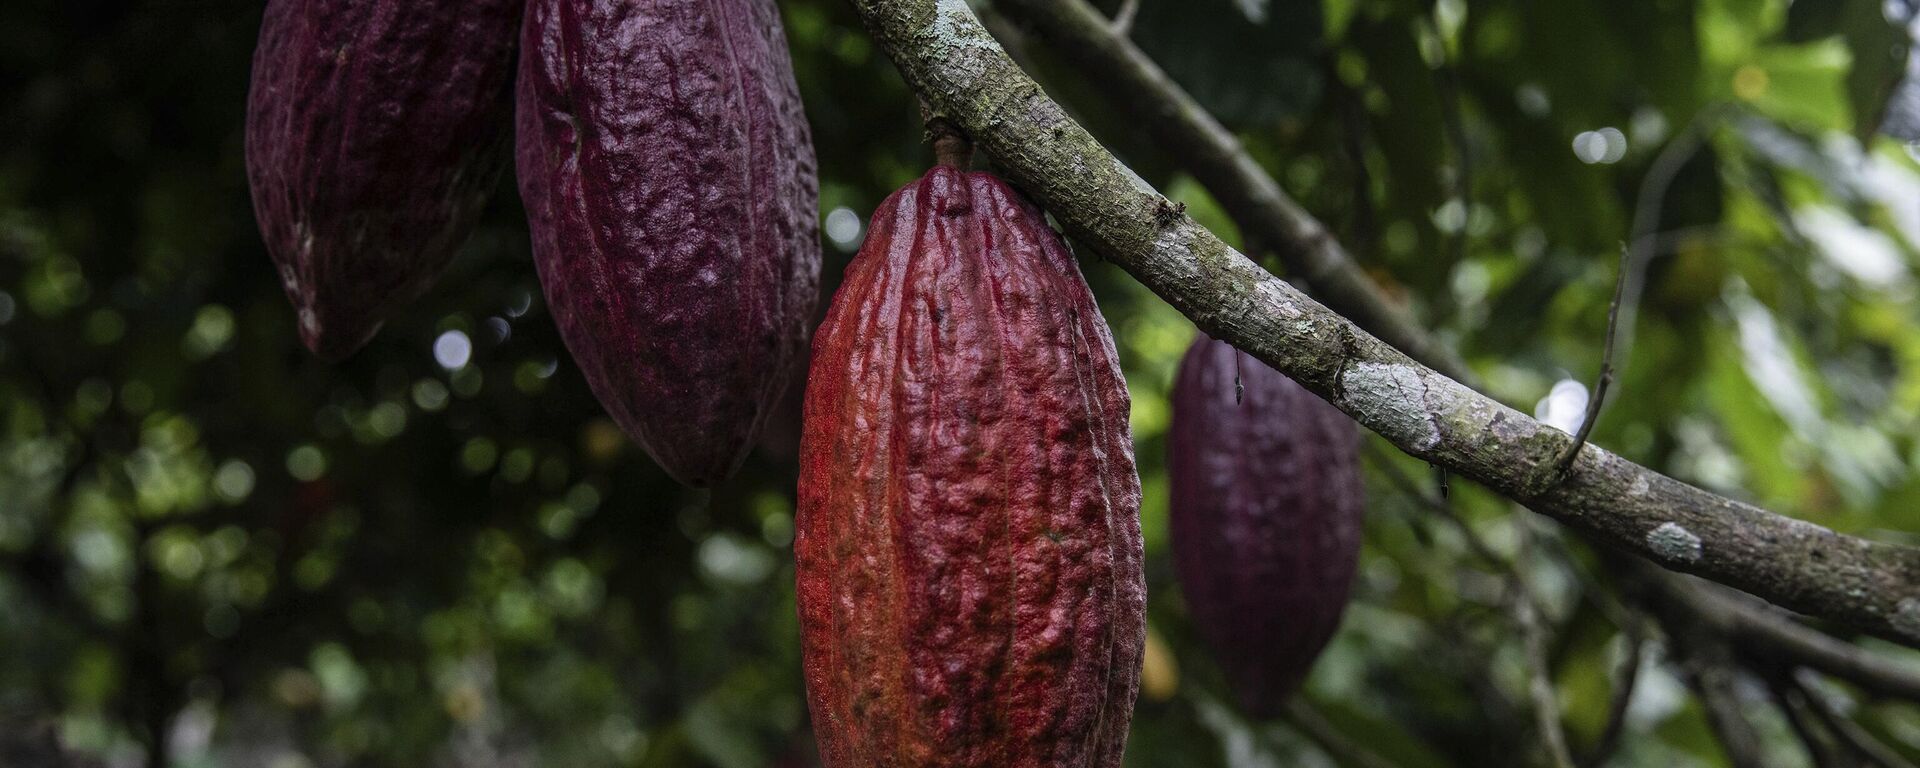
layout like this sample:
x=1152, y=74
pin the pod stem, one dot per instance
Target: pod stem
x=951, y=147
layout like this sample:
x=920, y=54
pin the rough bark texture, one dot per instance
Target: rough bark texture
x=943, y=52
x=1265, y=515
x=669, y=179
x=1131, y=81
x=375, y=130
x=968, y=541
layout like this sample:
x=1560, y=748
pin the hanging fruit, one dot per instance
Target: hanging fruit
x=968, y=540
x=1265, y=517
x=668, y=176
x=375, y=131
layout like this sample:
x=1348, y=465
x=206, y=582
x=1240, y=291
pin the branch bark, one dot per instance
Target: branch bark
x=1205, y=148
x=1190, y=134
x=943, y=52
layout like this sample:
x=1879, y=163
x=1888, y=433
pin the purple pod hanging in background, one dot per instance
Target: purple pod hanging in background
x=1265, y=516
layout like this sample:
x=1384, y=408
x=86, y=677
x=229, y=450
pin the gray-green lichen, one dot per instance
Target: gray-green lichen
x=1674, y=543
x=1906, y=616
x=944, y=52
x=1396, y=394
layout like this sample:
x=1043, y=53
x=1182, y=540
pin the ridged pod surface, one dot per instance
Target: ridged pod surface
x=968, y=539
x=375, y=131
x=1265, y=517
x=668, y=176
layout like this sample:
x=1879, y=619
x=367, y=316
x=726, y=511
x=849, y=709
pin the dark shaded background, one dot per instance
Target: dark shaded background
x=217, y=551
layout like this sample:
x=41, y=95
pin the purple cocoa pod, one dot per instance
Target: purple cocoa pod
x=375, y=131
x=669, y=177
x=1265, y=516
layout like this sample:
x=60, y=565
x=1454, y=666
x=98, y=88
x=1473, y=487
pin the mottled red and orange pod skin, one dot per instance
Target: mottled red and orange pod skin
x=669, y=181
x=376, y=130
x=968, y=539
x=1265, y=518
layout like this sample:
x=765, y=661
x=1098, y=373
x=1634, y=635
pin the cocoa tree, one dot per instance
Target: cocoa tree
x=216, y=549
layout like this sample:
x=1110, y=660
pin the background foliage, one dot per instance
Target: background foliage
x=215, y=549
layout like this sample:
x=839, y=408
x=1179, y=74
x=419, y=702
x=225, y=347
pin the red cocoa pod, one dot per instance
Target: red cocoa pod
x=668, y=176
x=1265, y=518
x=375, y=131
x=967, y=534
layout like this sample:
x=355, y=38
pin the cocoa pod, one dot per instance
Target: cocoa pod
x=1264, y=515
x=967, y=533
x=668, y=176
x=375, y=131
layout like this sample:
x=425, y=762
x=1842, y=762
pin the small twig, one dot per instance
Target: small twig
x=1625, y=678
x=1821, y=751
x=1123, y=18
x=1844, y=729
x=1760, y=630
x=1533, y=636
x=1600, y=384
x=1634, y=256
x=1708, y=668
x=1311, y=724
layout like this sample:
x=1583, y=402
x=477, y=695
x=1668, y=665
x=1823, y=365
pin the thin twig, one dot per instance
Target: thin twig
x=1759, y=630
x=1311, y=724
x=1821, y=750
x=1713, y=682
x=1707, y=664
x=1634, y=256
x=1533, y=636
x=1625, y=679
x=1843, y=728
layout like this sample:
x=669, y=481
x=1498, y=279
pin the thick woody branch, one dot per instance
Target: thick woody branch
x=944, y=53
x=1186, y=131
x=1189, y=133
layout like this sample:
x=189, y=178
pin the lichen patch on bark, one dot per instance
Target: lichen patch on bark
x=1674, y=543
x=1397, y=394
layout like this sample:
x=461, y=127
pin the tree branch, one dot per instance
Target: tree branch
x=1844, y=730
x=943, y=52
x=1205, y=148
x=1821, y=749
x=1625, y=678
x=1760, y=632
x=1184, y=124
x=1707, y=664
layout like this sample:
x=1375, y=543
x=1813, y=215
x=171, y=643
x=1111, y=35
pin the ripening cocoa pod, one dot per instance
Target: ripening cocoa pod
x=668, y=176
x=968, y=541
x=375, y=131
x=1264, y=515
